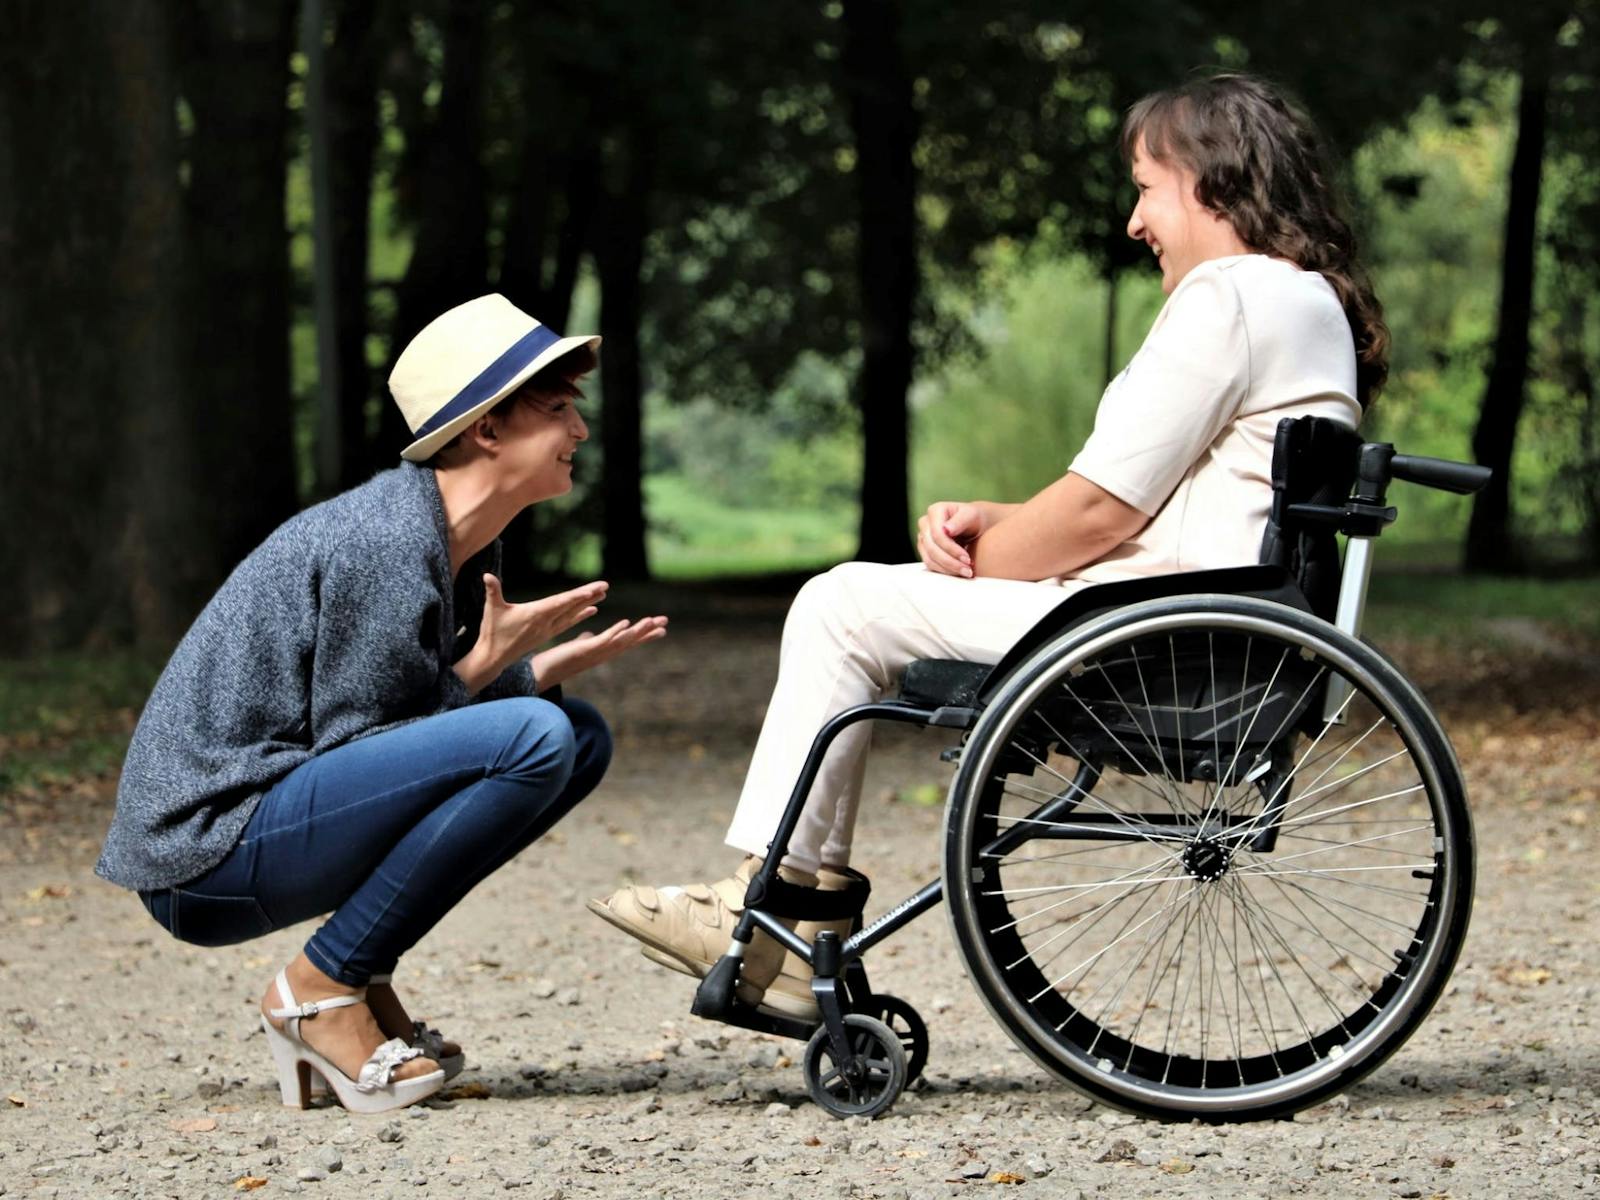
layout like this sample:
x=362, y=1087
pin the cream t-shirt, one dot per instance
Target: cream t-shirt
x=1184, y=434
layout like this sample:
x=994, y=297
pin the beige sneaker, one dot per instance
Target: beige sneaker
x=689, y=928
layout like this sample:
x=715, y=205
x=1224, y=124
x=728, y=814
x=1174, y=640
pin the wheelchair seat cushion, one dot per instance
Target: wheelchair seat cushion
x=944, y=682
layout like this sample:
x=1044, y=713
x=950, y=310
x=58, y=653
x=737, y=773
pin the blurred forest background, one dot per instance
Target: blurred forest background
x=848, y=257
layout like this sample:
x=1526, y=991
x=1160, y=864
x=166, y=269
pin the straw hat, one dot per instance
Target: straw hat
x=466, y=361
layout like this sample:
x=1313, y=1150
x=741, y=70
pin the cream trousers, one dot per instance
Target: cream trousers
x=848, y=637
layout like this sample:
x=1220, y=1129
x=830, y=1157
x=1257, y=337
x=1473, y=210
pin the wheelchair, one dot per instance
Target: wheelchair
x=1207, y=854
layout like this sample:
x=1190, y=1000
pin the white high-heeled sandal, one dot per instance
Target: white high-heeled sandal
x=374, y=1090
x=429, y=1041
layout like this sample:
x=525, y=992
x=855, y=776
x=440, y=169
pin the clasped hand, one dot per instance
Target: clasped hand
x=945, y=534
x=511, y=631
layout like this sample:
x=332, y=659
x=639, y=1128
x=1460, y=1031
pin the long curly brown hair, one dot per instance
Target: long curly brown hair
x=1259, y=162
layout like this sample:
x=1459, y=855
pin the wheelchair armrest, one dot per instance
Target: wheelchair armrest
x=943, y=682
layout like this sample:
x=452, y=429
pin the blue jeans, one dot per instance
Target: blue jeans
x=389, y=832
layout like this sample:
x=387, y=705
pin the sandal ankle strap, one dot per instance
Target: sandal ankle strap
x=312, y=1007
x=295, y=1009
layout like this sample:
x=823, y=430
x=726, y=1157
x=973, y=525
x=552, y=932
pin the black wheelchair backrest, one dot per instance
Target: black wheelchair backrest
x=1314, y=461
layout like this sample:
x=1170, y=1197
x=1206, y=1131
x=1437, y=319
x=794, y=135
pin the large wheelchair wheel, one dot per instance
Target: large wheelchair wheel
x=1208, y=857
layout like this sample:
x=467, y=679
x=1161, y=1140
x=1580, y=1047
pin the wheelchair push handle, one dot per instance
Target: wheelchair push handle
x=1378, y=464
x=1461, y=478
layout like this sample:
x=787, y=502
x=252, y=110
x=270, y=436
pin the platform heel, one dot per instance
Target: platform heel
x=374, y=1090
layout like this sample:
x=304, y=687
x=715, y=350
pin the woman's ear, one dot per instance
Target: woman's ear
x=485, y=433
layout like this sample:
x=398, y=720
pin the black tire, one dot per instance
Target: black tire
x=1196, y=934
x=865, y=1087
x=907, y=1024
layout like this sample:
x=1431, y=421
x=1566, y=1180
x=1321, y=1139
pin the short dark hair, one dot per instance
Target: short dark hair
x=558, y=378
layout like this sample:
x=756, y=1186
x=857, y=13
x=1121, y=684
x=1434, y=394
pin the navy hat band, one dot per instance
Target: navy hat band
x=492, y=379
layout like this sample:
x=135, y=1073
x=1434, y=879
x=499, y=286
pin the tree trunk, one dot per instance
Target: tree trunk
x=545, y=240
x=1491, y=546
x=91, y=466
x=235, y=74
x=583, y=182
x=522, y=269
x=352, y=61
x=619, y=256
x=885, y=129
x=450, y=252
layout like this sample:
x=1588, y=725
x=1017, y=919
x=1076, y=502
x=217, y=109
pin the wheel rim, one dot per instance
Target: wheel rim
x=1159, y=953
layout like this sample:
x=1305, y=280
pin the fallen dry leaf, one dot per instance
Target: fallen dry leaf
x=1521, y=974
x=49, y=891
x=195, y=1125
x=248, y=1183
x=1006, y=1177
x=467, y=1091
x=16, y=1101
x=1176, y=1166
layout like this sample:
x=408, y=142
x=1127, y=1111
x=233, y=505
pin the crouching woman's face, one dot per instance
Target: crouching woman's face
x=535, y=440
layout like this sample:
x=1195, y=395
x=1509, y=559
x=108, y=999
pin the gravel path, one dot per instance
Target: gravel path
x=133, y=1065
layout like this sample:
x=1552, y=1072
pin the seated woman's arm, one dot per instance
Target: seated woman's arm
x=1068, y=525
x=1065, y=526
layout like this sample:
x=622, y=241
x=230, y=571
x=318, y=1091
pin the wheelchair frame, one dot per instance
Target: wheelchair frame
x=869, y=1057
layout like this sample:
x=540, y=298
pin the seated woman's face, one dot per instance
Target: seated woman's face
x=1181, y=231
x=539, y=436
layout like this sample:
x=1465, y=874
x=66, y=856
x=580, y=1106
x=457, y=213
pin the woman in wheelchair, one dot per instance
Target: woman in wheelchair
x=1268, y=315
x=353, y=725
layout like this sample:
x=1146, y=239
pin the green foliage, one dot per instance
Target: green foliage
x=793, y=454
x=1005, y=425
x=1433, y=193
x=692, y=536
x=67, y=716
x=1465, y=609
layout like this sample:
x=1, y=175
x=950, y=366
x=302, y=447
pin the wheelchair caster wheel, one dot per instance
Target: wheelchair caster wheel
x=908, y=1025
x=866, y=1083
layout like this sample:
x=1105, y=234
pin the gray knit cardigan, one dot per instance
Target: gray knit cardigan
x=343, y=623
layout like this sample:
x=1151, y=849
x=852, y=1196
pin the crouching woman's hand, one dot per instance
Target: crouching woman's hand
x=512, y=631
x=562, y=662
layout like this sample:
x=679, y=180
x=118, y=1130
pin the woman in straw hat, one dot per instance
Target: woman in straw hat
x=1268, y=315
x=359, y=723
